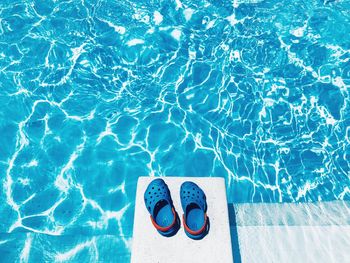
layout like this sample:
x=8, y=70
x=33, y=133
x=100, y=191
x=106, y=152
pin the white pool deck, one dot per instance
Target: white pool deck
x=290, y=232
x=149, y=246
x=255, y=232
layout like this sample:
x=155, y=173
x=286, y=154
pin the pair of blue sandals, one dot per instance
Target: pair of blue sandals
x=164, y=216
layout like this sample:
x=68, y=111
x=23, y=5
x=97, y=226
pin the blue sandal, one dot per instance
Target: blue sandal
x=194, y=205
x=160, y=206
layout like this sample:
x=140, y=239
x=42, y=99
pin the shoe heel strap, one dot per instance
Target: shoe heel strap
x=197, y=232
x=167, y=228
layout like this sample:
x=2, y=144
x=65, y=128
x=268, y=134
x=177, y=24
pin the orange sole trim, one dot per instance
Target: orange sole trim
x=164, y=229
x=198, y=232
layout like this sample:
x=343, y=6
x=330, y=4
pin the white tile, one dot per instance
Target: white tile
x=149, y=246
x=294, y=232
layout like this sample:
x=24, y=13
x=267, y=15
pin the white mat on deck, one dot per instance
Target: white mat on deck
x=149, y=246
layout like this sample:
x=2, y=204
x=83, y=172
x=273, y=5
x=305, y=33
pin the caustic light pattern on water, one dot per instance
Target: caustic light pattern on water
x=94, y=94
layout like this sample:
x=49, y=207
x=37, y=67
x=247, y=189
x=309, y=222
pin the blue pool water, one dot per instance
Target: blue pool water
x=94, y=94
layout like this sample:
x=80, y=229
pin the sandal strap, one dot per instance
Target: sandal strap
x=197, y=232
x=167, y=228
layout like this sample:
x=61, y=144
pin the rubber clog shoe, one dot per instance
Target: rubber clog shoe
x=194, y=205
x=160, y=206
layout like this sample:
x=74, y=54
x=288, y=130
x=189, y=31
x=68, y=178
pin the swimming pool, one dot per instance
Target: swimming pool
x=95, y=94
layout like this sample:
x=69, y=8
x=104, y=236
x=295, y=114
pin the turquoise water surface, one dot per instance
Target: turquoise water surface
x=94, y=94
